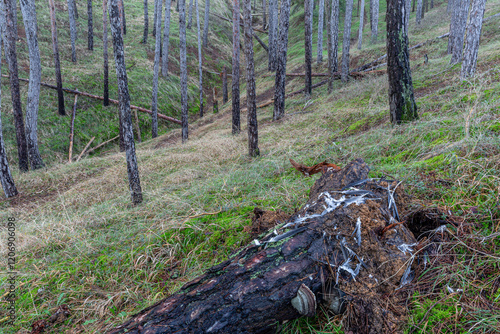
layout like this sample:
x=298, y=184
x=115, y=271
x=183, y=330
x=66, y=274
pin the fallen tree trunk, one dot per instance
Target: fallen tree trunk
x=332, y=251
x=72, y=91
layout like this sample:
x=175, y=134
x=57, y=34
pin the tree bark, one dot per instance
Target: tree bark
x=346, y=44
x=418, y=17
x=90, y=37
x=200, y=59
x=123, y=18
x=190, y=18
x=264, y=17
x=224, y=86
x=333, y=42
x=57, y=63
x=407, y=14
x=9, y=41
x=205, y=23
x=155, y=17
x=361, y=24
x=321, y=16
x=253, y=133
x=72, y=28
x=374, y=12
x=459, y=32
x=280, y=82
x=146, y=23
x=472, y=39
x=401, y=100
x=183, y=63
x=75, y=10
x=308, y=8
x=126, y=117
x=14, y=11
x=236, y=127
x=273, y=34
x=166, y=39
x=105, y=52
x=30, y=25
x=156, y=70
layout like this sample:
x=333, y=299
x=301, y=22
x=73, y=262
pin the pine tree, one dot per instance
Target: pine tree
x=462, y=10
x=182, y=51
x=308, y=7
x=146, y=23
x=333, y=42
x=361, y=23
x=156, y=70
x=190, y=19
x=90, y=37
x=236, y=68
x=418, y=17
x=205, y=23
x=57, y=63
x=166, y=39
x=374, y=12
x=273, y=34
x=347, y=41
x=321, y=16
x=473, y=36
x=105, y=52
x=280, y=81
x=72, y=28
x=198, y=27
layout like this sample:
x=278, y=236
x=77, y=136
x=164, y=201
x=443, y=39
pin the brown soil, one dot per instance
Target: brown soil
x=263, y=221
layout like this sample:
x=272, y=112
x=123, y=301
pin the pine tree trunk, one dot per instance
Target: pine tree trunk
x=401, y=100
x=333, y=42
x=308, y=8
x=280, y=82
x=374, y=12
x=407, y=14
x=273, y=34
x=90, y=37
x=418, y=17
x=472, y=38
x=57, y=63
x=166, y=39
x=105, y=52
x=224, y=86
x=155, y=17
x=14, y=11
x=156, y=70
x=361, y=24
x=183, y=63
x=30, y=26
x=432, y=4
x=198, y=27
x=264, y=17
x=205, y=23
x=321, y=16
x=413, y=6
x=122, y=16
x=146, y=23
x=124, y=97
x=346, y=44
x=75, y=10
x=190, y=19
x=11, y=56
x=253, y=133
x=72, y=29
x=236, y=69
x=459, y=33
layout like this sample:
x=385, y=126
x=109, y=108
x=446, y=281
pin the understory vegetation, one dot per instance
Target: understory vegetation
x=82, y=244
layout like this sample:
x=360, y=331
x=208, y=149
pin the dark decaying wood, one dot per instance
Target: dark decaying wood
x=57, y=63
x=330, y=251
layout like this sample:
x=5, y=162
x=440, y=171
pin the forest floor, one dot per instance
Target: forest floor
x=80, y=243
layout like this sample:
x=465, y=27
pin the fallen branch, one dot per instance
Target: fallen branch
x=102, y=144
x=72, y=130
x=85, y=149
x=261, y=42
x=72, y=91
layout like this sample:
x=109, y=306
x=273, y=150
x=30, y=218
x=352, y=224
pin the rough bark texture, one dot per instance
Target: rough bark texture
x=75, y=9
x=57, y=63
x=122, y=16
x=14, y=11
x=407, y=14
x=253, y=133
x=330, y=248
x=321, y=16
x=418, y=17
x=374, y=12
x=9, y=40
x=346, y=44
x=72, y=28
x=155, y=17
x=183, y=65
x=30, y=26
x=156, y=70
x=8, y=185
x=333, y=42
x=224, y=86
x=280, y=82
x=264, y=16
x=190, y=18
x=472, y=39
x=205, y=23
x=90, y=36
x=105, y=52
x=308, y=18
x=236, y=69
x=401, y=100
x=273, y=34
x=146, y=23
x=200, y=60
x=361, y=24
x=126, y=117
x=459, y=32
x=166, y=39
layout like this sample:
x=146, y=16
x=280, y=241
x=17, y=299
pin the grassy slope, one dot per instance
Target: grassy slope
x=82, y=244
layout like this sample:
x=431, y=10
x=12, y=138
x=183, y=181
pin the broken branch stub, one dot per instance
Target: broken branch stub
x=329, y=252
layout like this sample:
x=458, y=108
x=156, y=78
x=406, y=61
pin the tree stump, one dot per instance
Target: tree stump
x=334, y=251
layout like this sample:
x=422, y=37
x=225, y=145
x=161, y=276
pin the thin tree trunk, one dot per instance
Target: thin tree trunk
x=459, y=33
x=190, y=19
x=418, y=17
x=200, y=60
x=215, y=102
x=11, y=55
x=280, y=82
x=126, y=117
x=155, y=17
x=30, y=26
x=182, y=49
x=333, y=42
x=166, y=39
x=146, y=23
x=224, y=85
x=137, y=126
x=308, y=7
x=8, y=185
x=72, y=129
x=472, y=38
x=205, y=23
x=413, y=6
x=346, y=44
x=14, y=11
x=407, y=14
x=105, y=52
x=264, y=17
x=273, y=35
x=374, y=12
x=90, y=37
x=122, y=16
x=426, y=7
x=72, y=29
x=236, y=68
x=401, y=100
x=156, y=70
x=321, y=16
x=432, y=4
x=177, y=6
x=75, y=10
x=361, y=24
x=253, y=133
x=57, y=63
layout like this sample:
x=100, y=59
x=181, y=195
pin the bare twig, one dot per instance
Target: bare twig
x=85, y=149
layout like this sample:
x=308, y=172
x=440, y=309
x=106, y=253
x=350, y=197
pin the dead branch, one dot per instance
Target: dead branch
x=85, y=149
x=102, y=144
x=72, y=129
